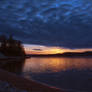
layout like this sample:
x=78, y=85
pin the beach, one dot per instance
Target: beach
x=24, y=84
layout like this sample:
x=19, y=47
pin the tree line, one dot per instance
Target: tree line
x=11, y=47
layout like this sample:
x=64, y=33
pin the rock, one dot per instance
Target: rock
x=2, y=56
x=6, y=87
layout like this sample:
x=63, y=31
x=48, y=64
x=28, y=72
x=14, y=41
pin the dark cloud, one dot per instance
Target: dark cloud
x=37, y=49
x=60, y=23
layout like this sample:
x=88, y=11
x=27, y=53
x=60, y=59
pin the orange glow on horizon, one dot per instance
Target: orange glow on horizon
x=51, y=51
x=37, y=49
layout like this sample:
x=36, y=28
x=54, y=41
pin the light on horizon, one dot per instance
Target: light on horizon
x=40, y=49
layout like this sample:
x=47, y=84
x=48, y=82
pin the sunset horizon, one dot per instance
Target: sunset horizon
x=46, y=45
x=46, y=50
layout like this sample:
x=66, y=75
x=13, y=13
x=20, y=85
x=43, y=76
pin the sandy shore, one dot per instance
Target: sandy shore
x=25, y=84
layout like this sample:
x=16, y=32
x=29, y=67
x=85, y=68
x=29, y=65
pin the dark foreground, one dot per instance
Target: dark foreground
x=25, y=84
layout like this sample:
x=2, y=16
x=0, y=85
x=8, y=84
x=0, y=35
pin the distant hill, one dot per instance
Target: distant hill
x=66, y=54
x=72, y=54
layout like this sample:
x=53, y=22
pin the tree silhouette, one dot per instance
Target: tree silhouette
x=3, y=43
x=11, y=47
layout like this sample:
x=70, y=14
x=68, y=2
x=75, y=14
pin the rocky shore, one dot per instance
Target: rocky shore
x=6, y=87
x=14, y=82
x=2, y=56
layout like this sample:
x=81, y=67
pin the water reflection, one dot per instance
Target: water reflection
x=67, y=73
x=14, y=66
x=56, y=64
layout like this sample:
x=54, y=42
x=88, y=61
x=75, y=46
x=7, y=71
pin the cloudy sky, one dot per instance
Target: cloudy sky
x=64, y=23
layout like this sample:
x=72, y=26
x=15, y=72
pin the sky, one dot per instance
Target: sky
x=56, y=23
x=42, y=49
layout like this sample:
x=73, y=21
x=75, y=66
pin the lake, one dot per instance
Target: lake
x=74, y=74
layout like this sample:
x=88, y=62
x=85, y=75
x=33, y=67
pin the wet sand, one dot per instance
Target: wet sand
x=26, y=84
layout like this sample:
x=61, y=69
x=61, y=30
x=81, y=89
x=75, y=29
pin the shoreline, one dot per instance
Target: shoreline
x=26, y=84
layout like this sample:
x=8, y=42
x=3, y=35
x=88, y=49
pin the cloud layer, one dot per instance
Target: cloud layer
x=49, y=22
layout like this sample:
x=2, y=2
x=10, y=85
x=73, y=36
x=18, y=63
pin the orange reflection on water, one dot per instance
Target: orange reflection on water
x=56, y=64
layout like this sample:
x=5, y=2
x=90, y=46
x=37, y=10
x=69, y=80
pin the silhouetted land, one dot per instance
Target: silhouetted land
x=66, y=54
x=11, y=47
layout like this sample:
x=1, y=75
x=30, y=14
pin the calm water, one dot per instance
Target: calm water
x=67, y=73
